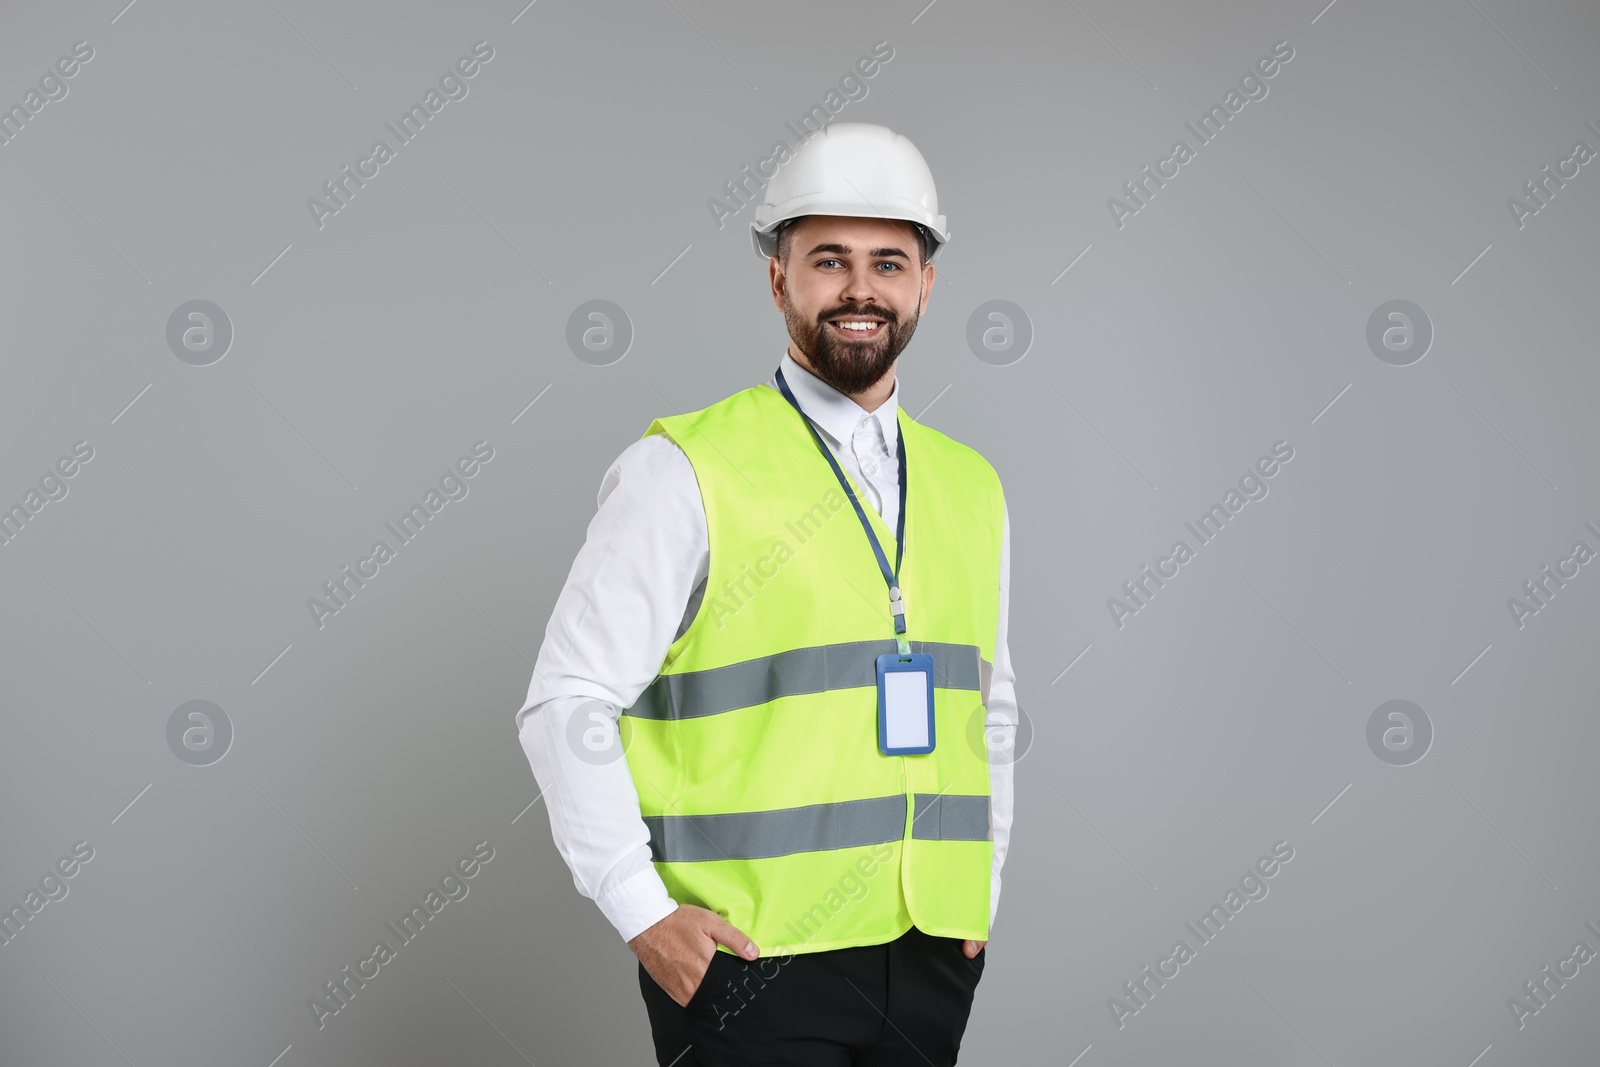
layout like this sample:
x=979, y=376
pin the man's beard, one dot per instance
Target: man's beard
x=851, y=367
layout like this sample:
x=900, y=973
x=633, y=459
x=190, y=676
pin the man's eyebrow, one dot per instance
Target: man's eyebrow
x=877, y=253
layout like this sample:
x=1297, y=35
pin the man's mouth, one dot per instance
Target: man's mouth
x=857, y=329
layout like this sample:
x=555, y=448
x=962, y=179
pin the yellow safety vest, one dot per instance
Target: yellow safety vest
x=755, y=749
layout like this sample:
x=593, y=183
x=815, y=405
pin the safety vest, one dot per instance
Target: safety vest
x=755, y=750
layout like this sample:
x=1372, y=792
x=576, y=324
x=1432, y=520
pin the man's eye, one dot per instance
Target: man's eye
x=896, y=266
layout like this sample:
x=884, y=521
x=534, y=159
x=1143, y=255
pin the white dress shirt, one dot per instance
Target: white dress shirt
x=633, y=589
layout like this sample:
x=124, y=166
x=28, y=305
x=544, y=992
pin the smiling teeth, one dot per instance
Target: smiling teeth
x=857, y=325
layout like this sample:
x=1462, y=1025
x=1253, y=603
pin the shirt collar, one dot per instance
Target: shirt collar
x=834, y=413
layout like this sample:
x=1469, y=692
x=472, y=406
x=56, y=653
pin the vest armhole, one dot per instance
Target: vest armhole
x=679, y=643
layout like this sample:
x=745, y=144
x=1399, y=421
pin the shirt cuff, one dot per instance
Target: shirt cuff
x=637, y=903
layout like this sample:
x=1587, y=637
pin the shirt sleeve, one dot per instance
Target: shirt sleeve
x=642, y=561
x=1000, y=722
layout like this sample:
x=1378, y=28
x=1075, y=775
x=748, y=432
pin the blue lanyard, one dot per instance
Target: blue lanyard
x=891, y=577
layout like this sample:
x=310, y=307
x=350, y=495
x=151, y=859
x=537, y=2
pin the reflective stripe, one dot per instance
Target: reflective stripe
x=754, y=835
x=942, y=817
x=848, y=665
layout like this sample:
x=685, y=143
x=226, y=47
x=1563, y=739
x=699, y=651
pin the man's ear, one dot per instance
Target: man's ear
x=775, y=279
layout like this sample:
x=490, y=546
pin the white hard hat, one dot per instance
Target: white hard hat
x=855, y=169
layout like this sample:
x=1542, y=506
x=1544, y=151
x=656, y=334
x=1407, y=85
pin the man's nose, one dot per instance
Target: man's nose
x=859, y=286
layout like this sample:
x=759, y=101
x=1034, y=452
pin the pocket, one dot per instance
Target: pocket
x=973, y=969
x=706, y=981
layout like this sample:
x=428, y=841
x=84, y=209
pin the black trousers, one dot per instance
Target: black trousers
x=905, y=1002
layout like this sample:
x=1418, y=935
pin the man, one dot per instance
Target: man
x=766, y=713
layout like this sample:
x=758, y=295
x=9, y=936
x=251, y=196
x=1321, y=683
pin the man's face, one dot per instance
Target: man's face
x=848, y=270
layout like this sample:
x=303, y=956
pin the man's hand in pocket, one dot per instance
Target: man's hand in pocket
x=677, y=951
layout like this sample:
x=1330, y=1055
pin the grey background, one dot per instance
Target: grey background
x=1226, y=315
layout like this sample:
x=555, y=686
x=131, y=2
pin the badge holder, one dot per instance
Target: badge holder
x=905, y=704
